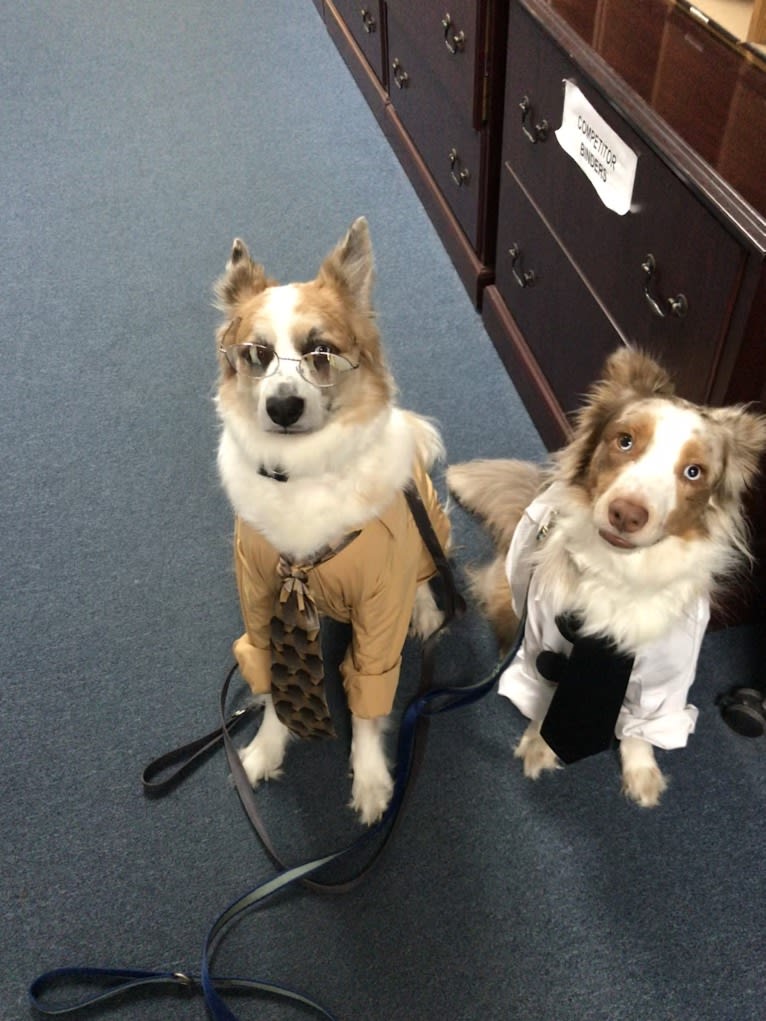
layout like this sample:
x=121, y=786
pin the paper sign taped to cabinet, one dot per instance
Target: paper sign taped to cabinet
x=607, y=162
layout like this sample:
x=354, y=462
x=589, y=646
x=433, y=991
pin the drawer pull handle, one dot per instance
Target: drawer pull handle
x=661, y=307
x=454, y=41
x=401, y=77
x=368, y=21
x=460, y=175
x=523, y=277
x=534, y=132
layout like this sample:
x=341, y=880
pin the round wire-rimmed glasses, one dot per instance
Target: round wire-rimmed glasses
x=320, y=368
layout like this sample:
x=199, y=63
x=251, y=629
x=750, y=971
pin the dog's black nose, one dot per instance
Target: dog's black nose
x=285, y=411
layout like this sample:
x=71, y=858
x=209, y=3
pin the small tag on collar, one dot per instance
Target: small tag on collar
x=547, y=526
x=277, y=474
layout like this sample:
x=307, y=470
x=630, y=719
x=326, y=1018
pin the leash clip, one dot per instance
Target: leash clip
x=184, y=980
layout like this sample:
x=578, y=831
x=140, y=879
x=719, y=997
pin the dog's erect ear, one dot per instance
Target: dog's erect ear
x=350, y=266
x=242, y=279
x=635, y=372
x=744, y=439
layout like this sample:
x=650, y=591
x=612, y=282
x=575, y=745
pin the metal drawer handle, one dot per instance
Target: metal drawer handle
x=454, y=41
x=526, y=277
x=401, y=77
x=661, y=307
x=368, y=21
x=460, y=175
x=534, y=132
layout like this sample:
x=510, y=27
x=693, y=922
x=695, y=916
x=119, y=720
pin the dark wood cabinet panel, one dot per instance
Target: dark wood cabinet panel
x=695, y=81
x=366, y=21
x=447, y=38
x=742, y=156
x=582, y=15
x=438, y=98
x=629, y=38
x=440, y=123
x=567, y=331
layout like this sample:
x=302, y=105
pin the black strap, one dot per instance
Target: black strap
x=189, y=756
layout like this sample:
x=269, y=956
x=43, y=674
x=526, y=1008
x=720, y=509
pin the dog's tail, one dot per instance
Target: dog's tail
x=496, y=491
x=428, y=439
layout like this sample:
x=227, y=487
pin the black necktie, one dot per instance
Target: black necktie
x=591, y=685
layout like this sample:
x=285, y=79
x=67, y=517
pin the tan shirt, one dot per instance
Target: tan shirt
x=370, y=584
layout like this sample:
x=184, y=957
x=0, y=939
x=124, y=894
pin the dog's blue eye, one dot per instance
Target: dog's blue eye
x=625, y=441
x=692, y=472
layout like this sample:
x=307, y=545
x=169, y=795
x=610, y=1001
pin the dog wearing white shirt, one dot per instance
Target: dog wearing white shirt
x=633, y=528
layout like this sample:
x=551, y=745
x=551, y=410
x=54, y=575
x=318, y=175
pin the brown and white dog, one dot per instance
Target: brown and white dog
x=633, y=527
x=312, y=449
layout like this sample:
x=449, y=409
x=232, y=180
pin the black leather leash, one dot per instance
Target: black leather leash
x=113, y=982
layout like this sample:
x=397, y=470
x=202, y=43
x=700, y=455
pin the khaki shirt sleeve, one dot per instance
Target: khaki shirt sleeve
x=255, y=564
x=380, y=610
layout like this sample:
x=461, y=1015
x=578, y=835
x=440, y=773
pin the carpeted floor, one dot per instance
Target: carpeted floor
x=137, y=140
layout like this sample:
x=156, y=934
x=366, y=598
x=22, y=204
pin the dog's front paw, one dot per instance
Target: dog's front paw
x=644, y=785
x=371, y=794
x=535, y=753
x=642, y=780
x=261, y=762
x=262, y=758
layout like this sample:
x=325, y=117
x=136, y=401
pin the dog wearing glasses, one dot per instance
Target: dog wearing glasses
x=314, y=455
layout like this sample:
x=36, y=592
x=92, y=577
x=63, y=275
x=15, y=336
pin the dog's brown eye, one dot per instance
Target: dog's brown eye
x=692, y=472
x=625, y=441
x=257, y=357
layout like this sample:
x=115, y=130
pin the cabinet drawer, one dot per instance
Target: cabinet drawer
x=694, y=255
x=365, y=20
x=563, y=324
x=447, y=39
x=440, y=125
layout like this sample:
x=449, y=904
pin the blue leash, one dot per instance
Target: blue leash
x=110, y=983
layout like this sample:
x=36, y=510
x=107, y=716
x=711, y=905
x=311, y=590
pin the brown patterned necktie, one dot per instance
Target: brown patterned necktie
x=297, y=669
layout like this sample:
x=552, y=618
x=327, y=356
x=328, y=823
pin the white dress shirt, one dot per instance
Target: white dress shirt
x=655, y=706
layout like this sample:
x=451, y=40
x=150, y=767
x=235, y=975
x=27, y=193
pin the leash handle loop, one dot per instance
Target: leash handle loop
x=186, y=758
x=108, y=983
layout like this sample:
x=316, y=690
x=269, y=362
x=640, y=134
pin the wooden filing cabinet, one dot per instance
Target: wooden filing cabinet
x=686, y=95
x=561, y=279
x=628, y=34
x=434, y=78
x=681, y=274
x=435, y=69
x=742, y=156
x=365, y=21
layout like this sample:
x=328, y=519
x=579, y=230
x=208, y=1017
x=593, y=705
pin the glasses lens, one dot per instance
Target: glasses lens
x=323, y=368
x=254, y=359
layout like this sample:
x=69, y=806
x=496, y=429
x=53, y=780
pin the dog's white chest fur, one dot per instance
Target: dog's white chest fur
x=338, y=479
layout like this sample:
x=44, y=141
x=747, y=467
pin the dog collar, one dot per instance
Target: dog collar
x=277, y=474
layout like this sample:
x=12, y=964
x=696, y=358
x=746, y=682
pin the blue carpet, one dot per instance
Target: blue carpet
x=137, y=140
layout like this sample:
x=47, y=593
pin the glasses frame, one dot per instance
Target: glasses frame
x=276, y=359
